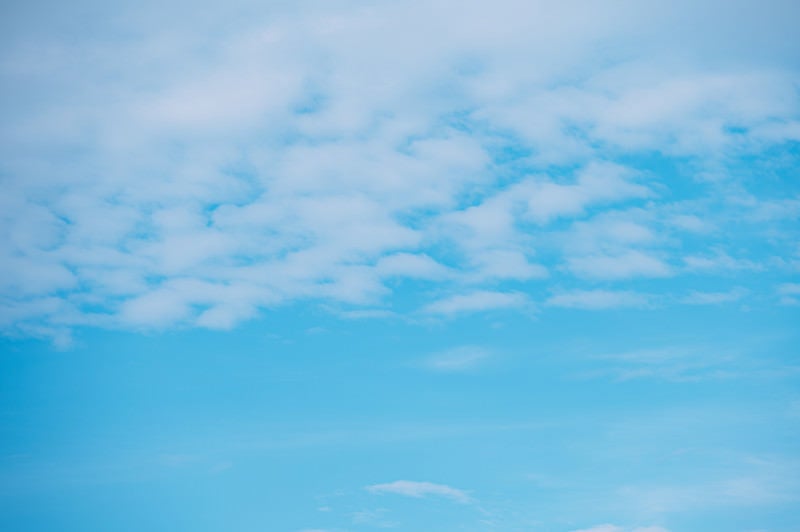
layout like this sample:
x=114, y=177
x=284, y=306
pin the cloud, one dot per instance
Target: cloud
x=789, y=289
x=238, y=160
x=614, y=528
x=676, y=364
x=375, y=518
x=626, y=265
x=597, y=183
x=505, y=264
x=789, y=293
x=418, y=490
x=367, y=314
x=748, y=491
x=478, y=301
x=714, y=298
x=599, y=299
x=411, y=266
x=720, y=261
x=691, y=222
x=601, y=528
x=614, y=231
x=456, y=359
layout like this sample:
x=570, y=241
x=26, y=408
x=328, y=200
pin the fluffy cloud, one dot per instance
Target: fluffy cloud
x=199, y=171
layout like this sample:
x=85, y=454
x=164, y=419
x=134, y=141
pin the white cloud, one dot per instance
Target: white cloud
x=614, y=528
x=311, y=151
x=163, y=307
x=611, y=232
x=601, y=528
x=789, y=289
x=506, y=264
x=599, y=299
x=596, y=184
x=789, y=293
x=763, y=488
x=374, y=518
x=720, y=261
x=677, y=364
x=366, y=314
x=411, y=266
x=414, y=489
x=478, y=301
x=691, y=223
x=714, y=298
x=487, y=234
x=456, y=359
x=626, y=265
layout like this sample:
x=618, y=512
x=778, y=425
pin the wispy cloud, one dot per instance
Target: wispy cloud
x=730, y=492
x=374, y=518
x=714, y=298
x=478, y=301
x=418, y=490
x=457, y=359
x=719, y=261
x=626, y=265
x=599, y=299
x=615, y=528
x=368, y=313
x=687, y=363
x=789, y=293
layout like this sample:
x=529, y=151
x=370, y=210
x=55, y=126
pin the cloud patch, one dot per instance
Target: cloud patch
x=599, y=299
x=312, y=153
x=420, y=490
x=478, y=301
x=457, y=359
x=626, y=265
x=615, y=528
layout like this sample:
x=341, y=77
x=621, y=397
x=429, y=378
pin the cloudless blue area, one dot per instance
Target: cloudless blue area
x=258, y=429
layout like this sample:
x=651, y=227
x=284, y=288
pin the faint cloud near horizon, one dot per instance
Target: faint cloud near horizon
x=614, y=528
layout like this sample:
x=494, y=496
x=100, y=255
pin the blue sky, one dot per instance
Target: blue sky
x=412, y=265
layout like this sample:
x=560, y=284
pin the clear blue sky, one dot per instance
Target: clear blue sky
x=413, y=265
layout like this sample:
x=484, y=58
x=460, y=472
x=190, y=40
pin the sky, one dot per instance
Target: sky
x=327, y=266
